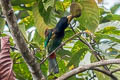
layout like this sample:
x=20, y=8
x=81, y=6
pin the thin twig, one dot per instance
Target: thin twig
x=106, y=72
x=62, y=44
x=96, y=54
x=115, y=70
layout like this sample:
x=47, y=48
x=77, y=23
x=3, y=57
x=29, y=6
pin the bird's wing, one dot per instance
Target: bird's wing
x=49, y=34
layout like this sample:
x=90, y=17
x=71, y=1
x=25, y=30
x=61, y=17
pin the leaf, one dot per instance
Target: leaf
x=2, y=24
x=110, y=30
x=48, y=16
x=64, y=53
x=109, y=24
x=44, y=69
x=22, y=14
x=115, y=8
x=77, y=46
x=6, y=64
x=68, y=34
x=110, y=17
x=37, y=38
x=105, y=36
x=22, y=28
x=49, y=3
x=99, y=1
x=77, y=57
x=28, y=21
x=39, y=20
x=90, y=15
x=117, y=74
x=18, y=2
x=20, y=67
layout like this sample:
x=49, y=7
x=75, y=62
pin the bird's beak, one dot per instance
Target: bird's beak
x=70, y=17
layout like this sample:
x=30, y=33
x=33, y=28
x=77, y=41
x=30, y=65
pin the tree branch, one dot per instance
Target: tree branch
x=115, y=70
x=29, y=58
x=87, y=67
x=62, y=44
x=0, y=44
x=106, y=72
x=94, y=52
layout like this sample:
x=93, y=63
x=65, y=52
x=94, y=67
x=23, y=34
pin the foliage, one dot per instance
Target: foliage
x=34, y=16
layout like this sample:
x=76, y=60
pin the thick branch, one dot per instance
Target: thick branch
x=33, y=66
x=106, y=72
x=87, y=67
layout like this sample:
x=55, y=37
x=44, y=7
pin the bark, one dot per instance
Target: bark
x=18, y=37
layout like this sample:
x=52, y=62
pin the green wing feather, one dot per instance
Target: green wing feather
x=48, y=35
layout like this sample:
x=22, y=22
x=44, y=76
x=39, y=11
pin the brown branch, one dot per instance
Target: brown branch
x=0, y=44
x=115, y=70
x=94, y=52
x=106, y=72
x=87, y=67
x=29, y=58
x=62, y=44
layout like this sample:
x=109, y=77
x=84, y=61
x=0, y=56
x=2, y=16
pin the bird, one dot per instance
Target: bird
x=53, y=38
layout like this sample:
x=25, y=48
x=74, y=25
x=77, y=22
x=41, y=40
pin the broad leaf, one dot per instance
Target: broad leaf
x=77, y=57
x=6, y=64
x=41, y=20
x=2, y=24
x=115, y=8
x=18, y=2
x=90, y=15
x=117, y=74
x=110, y=17
x=22, y=28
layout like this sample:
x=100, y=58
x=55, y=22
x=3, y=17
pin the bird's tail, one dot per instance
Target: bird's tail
x=53, y=65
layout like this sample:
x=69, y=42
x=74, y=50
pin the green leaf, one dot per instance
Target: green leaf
x=108, y=24
x=77, y=46
x=39, y=21
x=2, y=24
x=20, y=68
x=117, y=74
x=18, y=2
x=110, y=17
x=22, y=28
x=110, y=30
x=48, y=16
x=28, y=21
x=105, y=36
x=68, y=34
x=115, y=8
x=77, y=57
x=42, y=20
x=90, y=15
x=37, y=39
x=44, y=69
x=49, y=3
x=22, y=14
x=64, y=53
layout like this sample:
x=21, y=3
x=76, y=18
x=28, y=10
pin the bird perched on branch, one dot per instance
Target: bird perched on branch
x=53, y=37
